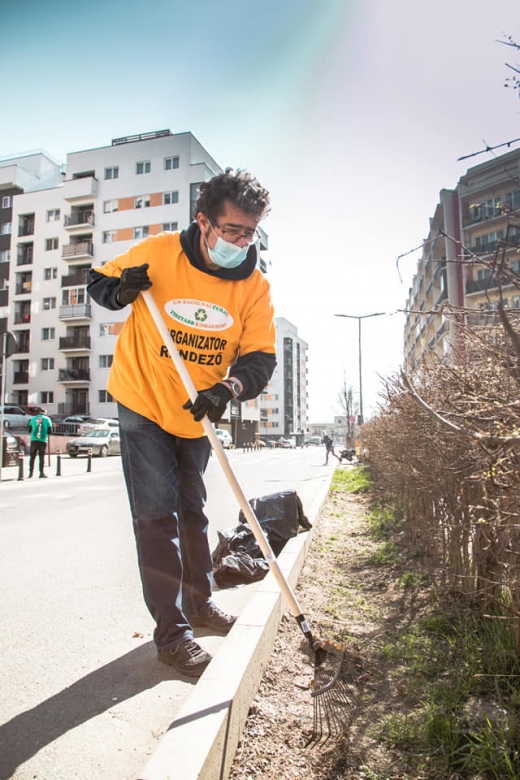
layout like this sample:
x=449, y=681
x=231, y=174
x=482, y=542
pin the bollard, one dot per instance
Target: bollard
x=58, y=463
x=89, y=461
x=20, y=466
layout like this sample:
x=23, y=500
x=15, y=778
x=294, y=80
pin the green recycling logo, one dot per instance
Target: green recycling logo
x=201, y=315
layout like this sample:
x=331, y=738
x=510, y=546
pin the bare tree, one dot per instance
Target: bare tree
x=348, y=409
x=513, y=81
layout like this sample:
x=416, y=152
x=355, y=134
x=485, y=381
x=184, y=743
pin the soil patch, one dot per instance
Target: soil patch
x=348, y=595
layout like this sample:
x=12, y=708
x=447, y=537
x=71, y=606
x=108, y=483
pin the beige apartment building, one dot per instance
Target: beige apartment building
x=469, y=257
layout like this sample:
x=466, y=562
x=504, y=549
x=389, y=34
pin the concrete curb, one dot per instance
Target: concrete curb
x=202, y=740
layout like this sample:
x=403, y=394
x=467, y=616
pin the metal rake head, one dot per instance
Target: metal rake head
x=334, y=698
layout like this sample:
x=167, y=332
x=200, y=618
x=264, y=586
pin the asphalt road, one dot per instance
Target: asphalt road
x=83, y=695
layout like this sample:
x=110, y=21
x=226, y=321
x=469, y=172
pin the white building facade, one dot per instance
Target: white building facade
x=284, y=405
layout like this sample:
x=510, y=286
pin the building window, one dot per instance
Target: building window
x=47, y=364
x=106, y=329
x=141, y=202
x=74, y=296
x=5, y=255
x=105, y=361
x=53, y=215
x=50, y=273
x=5, y=228
x=7, y=201
x=141, y=232
x=143, y=167
x=51, y=243
x=49, y=303
x=170, y=163
x=170, y=226
x=110, y=205
x=513, y=199
x=170, y=197
x=109, y=236
x=47, y=397
x=105, y=397
x=48, y=334
x=112, y=173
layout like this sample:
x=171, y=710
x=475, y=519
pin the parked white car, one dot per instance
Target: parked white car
x=15, y=417
x=225, y=438
x=101, y=441
x=98, y=422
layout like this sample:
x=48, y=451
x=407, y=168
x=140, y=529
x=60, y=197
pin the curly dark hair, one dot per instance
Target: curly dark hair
x=240, y=188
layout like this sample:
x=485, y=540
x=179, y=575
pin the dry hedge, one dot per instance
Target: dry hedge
x=446, y=449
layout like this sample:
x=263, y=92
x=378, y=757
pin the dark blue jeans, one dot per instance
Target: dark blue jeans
x=164, y=479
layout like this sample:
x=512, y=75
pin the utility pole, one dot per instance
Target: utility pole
x=9, y=345
x=359, y=318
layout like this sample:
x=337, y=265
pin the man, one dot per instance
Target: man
x=217, y=306
x=329, y=449
x=40, y=427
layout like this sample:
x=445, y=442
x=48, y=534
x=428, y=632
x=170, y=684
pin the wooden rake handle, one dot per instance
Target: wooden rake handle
x=222, y=458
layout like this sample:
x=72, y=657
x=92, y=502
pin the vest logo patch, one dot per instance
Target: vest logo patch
x=198, y=314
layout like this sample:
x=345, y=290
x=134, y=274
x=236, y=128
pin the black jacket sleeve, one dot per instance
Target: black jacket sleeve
x=103, y=289
x=254, y=371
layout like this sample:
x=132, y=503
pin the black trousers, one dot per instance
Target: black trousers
x=37, y=448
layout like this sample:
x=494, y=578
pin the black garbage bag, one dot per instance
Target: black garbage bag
x=237, y=558
x=280, y=515
x=239, y=568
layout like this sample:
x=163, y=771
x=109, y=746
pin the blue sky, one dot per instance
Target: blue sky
x=352, y=112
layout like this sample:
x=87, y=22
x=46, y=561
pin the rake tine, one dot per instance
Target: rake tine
x=333, y=700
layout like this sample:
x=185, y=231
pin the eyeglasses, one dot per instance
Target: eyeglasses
x=233, y=234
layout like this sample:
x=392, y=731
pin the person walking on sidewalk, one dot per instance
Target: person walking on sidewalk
x=40, y=427
x=329, y=449
x=216, y=303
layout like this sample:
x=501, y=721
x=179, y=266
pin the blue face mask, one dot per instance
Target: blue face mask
x=226, y=254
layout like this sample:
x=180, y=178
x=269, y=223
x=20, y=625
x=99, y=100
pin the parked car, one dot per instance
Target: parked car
x=33, y=410
x=286, y=444
x=313, y=441
x=98, y=422
x=16, y=417
x=225, y=438
x=67, y=426
x=102, y=442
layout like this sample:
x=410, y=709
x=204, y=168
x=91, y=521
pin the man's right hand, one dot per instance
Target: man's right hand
x=133, y=280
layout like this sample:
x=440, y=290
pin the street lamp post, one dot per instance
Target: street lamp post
x=359, y=318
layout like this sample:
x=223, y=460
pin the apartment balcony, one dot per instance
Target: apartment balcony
x=482, y=216
x=22, y=318
x=25, y=256
x=72, y=375
x=478, y=285
x=77, y=189
x=80, y=311
x=82, y=219
x=27, y=229
x=71, y=343
x=79, y=279
x=21, y=378
x=4, y=297
x=24, y=288
x=80, y=251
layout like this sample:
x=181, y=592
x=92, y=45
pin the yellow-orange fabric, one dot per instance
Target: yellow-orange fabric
x=211, y=320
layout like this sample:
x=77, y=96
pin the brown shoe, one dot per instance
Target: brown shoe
x=215, y=619
x=187, y=658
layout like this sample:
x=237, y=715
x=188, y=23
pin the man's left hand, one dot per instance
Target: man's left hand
x=212, y=401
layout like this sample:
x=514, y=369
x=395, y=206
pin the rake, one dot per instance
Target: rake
x=331, y=694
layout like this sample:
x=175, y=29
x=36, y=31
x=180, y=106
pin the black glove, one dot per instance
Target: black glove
x=212, y=402
x=133, y=280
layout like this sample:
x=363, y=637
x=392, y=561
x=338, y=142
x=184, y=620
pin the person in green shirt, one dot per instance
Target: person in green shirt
x=40, y=427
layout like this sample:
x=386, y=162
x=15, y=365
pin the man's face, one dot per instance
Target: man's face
x=233, y=225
